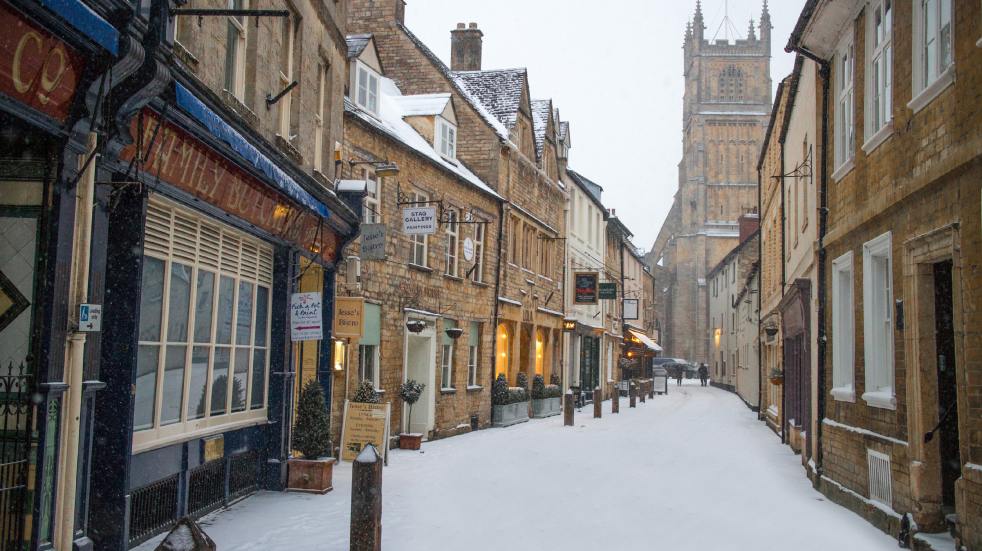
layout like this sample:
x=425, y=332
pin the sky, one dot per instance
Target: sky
x=614, y=73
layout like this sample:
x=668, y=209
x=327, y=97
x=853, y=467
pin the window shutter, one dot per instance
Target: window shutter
x=373, y=325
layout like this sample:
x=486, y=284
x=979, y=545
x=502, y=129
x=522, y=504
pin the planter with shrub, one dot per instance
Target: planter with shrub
x=547, y=400
x=312, y=438
x=509, y=404
x=410, y=391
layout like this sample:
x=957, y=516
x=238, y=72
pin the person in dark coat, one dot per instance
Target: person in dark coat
x=703, y=374
x=679, y=372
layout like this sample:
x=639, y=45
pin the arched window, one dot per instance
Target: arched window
x=730, y=84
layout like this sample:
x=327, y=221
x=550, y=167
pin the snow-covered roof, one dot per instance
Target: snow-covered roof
x=591, y=188
x=422, y=104
x=499, y=91
x=390, y=120
x=357, y=44
x=564, y=130
x=540, y=122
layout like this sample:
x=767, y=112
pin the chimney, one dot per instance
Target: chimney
x=748, y=225
x=465, y=48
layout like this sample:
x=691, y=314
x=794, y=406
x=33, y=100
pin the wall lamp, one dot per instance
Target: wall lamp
x=383, y=169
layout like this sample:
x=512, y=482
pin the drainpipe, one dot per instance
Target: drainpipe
x=497, y=293
x=784, y=282
x=78, y=293
x=760, y=291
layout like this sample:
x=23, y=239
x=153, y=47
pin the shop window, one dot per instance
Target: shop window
x=203, y=357
x=501, y=354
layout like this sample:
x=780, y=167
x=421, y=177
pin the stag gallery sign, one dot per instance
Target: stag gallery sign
x=419, y=220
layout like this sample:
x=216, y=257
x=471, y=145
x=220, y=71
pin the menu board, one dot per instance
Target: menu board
x=364, y=424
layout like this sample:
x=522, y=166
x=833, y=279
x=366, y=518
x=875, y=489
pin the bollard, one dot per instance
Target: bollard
x=651, y=388
x=615, y=401
x=632, y=392
x=598, y=403
x=642, y=392
x=568, y=409
x=366, y=501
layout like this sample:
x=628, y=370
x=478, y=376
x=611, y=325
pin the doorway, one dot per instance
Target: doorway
x=947, y=429
x=421, y=366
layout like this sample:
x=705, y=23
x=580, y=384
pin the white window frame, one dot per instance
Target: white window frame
x=930, y=73
x=843, y=329
x=366, y=92
x=237, y=28
x=372, y=210
x=845, y=104
x=446, y=133
x=419, y=244
x=480, y=230
x=879, y=73
x=322, y=69
x=284, y=110
x=878, y=335
x=446, y=366
x=176, y=235
x=369, y=351
x=472, y=361
x=453, y=243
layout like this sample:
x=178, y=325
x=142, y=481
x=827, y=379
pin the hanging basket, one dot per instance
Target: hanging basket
x=776, y=380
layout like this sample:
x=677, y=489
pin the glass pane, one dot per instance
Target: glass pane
x=243, y=325
x=199, y=382
x=258, y=378
x=223, y=334
x=219, y=381
x=240, y=379
x=146, y=387
x=170, y=408
x=151, y=298
x=203, y=306
x=231, y=44
x=262, y=314
x=178, y=303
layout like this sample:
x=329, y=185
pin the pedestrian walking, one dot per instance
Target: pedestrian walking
x=679, y=371
x=703, y=374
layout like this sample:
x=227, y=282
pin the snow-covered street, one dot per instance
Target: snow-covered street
x=691, y=470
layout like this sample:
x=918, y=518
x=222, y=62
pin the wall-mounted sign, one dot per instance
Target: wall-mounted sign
x=585, y=287
x=607, y=291
x=569, y=325
x=468, y=249
x=306, y=317
x=90, y=318
x=630, y=308
x=419, y=220
x=349, y=316
x=373, y=241
x=364, y=424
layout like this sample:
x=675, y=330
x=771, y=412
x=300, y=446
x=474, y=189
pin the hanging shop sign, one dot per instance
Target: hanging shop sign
x=373, y=241
x=585, y=285
x=349, y=317
x=306, y=317
x=607, y=291
x=630, y=308
x=364, y=424
x=36, y=68
x=419, y=220
x=184, y=162
x=468, y=249
x=569, y=325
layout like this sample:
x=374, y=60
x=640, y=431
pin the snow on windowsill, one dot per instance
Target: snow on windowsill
x=880, y=399
x=474, y=388
x=927, y=95
x=772, y=410
x=844, y=394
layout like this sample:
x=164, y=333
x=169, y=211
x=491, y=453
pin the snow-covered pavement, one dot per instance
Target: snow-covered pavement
x=690, y=470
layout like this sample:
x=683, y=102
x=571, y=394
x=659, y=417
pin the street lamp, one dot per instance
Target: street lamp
x=383, y=169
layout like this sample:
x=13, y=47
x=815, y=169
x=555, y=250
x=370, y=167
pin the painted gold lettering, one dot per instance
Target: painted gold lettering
x=20, y=84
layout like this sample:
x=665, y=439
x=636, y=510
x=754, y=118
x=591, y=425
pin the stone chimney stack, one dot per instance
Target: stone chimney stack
x=465, y=48
x=749, y=223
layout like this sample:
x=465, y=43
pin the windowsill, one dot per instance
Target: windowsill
x=846, y=168
x=526, y=270
x=549, y=279
x=512, y=264
x=448, y=391
x=417, y=267
x=843, y=394
x=878, y=138
x=927, y=95
x=480, y=284
x=453, y=278
x=201, y=433
x=451, y=160
x=884, y=400
x=474, y=388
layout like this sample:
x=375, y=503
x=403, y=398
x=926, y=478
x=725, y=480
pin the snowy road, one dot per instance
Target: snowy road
x=691, y=470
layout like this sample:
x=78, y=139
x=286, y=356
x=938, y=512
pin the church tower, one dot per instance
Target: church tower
x=726, y=106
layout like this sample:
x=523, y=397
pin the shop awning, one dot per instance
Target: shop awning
x=86, y=21
x=652, y=345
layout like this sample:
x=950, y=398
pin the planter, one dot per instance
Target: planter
x=776, y=381
x=546, y=407
x=410, y=441
x=310, y=475
x=510, y=414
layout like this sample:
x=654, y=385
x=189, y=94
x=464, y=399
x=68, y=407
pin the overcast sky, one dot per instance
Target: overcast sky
x=614, y=72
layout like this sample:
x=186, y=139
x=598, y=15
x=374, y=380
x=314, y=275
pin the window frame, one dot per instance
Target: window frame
x=480, y=232
x=928, y=81
x=322, y=69
x=419, y=243
x=843, y=329
x=373, y=353
x=284, y=105
x=446, y=138
x=235, y=60
x=446, y=366
x=845, y=104
x=452, y=231
x=371, y=204
x=879, y=361
x=371, y=85
x=879, y=74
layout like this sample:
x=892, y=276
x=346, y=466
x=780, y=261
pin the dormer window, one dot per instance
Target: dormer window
x=366, y=95
x=446, y=138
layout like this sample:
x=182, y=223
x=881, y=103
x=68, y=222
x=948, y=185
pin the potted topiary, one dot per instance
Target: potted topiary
x=312, y=438
x=366, y=393
x=509, y=404
x=546, y=399
x=410, y=391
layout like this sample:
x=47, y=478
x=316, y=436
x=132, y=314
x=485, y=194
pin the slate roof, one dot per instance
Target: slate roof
x=357, y=44
x=588, y=185
x=564, y=130
x=540, y=123
x=499, y=91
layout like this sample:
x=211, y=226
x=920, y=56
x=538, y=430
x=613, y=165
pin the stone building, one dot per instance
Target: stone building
x=444, y=280
x=726, y=104
x=900, y=250
x=498, y=142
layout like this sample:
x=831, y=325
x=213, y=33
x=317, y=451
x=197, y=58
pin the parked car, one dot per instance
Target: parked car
x=689, y=369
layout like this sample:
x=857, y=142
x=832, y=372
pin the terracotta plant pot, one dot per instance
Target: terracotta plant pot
x=776, y=381
x=410, y=441
x=311, y=475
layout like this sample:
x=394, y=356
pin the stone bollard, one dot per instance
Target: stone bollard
x=186, y=536
x=366, y=501
x=651, y=388
x=632, y=393
x=568, y=409
x=598, y=403
x=615, y=401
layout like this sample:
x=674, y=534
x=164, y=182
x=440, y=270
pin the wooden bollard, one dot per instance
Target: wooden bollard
x=366, y=501
x=598, y=403
x=642, y=391
x=568, y=409
x=651, y=388
x=615, y=401
x=632, y=394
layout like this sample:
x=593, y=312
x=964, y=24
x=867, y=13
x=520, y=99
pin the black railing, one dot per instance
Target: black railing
x=243, y=474
x=153, y=509
x=206, y=488
x=16, y=411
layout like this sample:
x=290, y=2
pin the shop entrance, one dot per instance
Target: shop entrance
x=421, y=366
